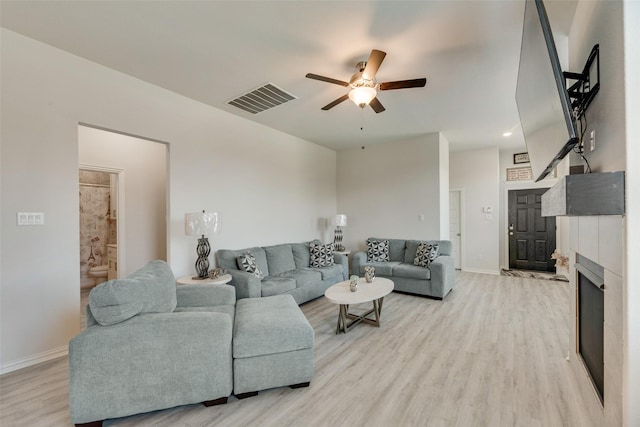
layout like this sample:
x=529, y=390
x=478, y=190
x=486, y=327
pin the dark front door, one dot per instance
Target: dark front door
x=532, y=237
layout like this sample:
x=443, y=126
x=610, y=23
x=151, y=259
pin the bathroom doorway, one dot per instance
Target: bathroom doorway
x=101, y=223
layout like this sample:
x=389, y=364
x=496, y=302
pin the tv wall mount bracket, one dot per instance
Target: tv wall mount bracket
x=587, y=83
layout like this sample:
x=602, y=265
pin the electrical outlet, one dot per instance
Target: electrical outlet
x=593, y=140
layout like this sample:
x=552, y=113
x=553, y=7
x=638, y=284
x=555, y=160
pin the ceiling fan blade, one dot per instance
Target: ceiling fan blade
x=326, y=79
x=376, y=105
x=336, y=102
x=373, y=63
x=403, y=84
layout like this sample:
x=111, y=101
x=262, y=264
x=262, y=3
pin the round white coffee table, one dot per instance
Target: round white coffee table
x=367, y=292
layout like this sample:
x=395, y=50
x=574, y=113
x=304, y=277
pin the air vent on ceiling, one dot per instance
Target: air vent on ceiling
x=262, y=98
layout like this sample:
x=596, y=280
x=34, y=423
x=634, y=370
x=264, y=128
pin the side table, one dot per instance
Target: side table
x=346, y=253
x=189, y=280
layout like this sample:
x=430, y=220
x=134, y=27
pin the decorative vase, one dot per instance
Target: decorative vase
x=353, y=285
x=369, y=273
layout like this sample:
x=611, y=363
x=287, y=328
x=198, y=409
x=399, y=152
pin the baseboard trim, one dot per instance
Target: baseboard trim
x=34, y=360
x=480, y=271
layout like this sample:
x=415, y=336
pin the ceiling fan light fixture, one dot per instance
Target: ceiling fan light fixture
x=362, y=96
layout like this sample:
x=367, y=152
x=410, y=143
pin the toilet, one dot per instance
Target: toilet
x=99, y=272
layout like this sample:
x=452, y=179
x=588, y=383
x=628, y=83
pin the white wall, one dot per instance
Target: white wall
x=144, y=164
x=383, y=188
x=269, y=187
x=477, y=173
x=604, y=23
x=631, y=309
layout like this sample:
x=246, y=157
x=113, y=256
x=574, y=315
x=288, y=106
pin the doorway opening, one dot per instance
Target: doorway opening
x=144, y=237
x=456, y=200
x=532, y=237
x=101, y=224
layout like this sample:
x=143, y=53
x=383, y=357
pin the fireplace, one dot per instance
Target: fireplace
x=590, y=311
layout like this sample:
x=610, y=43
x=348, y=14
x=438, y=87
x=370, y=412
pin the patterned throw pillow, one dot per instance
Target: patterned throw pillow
x=247, y=262
x=377, y=250
x=321, y=255
x=425, y=254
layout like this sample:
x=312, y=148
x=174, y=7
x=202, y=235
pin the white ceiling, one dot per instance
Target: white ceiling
x=213, y=51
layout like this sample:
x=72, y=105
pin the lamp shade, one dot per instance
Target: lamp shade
x=362, y=96
x=341, y=220
x=201, y=223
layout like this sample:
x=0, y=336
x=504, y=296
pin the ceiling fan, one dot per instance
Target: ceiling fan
x=363, y=84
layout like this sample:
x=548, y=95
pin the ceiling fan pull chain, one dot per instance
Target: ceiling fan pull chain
x=362, y=119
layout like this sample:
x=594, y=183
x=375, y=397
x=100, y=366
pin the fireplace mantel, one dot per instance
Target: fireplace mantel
x=586, y=194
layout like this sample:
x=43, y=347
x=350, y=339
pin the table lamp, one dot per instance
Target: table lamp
x=341, y=221
x=201, y=224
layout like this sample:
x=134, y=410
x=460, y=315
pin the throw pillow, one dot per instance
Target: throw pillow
x=247, y=262
x=321, y=255
x=377, y=250
x=425, y=254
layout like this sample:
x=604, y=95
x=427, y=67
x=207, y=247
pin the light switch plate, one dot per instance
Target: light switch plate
x=30, y=218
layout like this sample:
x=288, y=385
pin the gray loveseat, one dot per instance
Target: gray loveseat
x=286, y=270
x=434, y=282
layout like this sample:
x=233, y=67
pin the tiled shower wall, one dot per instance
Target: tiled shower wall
x=96, y=227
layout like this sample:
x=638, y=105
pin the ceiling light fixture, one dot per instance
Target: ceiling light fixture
x=364, y=88
x=362, y=96
x=506, y=134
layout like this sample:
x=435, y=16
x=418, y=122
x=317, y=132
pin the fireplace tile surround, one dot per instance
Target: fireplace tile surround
x=601, y=239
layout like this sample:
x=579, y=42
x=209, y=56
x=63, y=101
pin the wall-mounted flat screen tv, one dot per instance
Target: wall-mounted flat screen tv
x=541, y=95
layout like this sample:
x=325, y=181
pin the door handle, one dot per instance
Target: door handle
x=510, y=227
x=511, y=233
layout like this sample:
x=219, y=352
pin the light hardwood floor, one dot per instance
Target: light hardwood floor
x=492, y=354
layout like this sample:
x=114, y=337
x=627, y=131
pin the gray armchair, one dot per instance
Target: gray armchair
x=150, y=346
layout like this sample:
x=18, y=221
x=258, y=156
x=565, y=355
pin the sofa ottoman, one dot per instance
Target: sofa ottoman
x=272, y=345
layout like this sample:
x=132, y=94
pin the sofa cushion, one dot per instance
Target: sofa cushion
x=425, y=254
x=396, y=248
x=444, y=248
x=377, y=250
x=381, y=268
x=301, y=255
x=270, y=325
x=247, y=262
x=229, y=258
x=321, y=255
x=152, y=289
x=411, y=271
x=328, y=272
x=272, y=285
x=279, y=259
x=302, y=277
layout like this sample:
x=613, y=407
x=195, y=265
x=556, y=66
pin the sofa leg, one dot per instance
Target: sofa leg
x=245, y=395
x=91, y=424
x=301, y=385
x=220, y=401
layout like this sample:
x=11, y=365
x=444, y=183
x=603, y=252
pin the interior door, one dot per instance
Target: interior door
x=455, y=234
x=532, y=237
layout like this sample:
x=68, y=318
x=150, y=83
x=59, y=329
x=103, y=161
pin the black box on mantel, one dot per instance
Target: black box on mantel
x=586, y=194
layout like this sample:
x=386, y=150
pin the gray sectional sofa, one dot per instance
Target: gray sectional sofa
x=286, y=269
x=435, y=281
x=152, y=345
